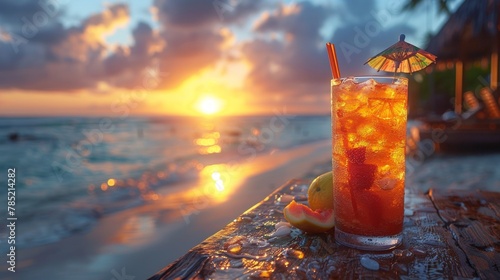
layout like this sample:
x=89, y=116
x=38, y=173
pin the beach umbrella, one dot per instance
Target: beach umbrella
x=401, y=57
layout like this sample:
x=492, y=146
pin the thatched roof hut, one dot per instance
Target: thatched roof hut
x=471, y=32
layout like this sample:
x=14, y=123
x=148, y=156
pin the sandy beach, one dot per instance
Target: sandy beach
x=467, y=171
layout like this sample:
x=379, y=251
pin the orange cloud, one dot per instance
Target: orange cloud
x=97, y=26
x=92, y=33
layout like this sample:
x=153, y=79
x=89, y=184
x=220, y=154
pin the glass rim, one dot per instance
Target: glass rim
x=378, y=78
x=371, y=77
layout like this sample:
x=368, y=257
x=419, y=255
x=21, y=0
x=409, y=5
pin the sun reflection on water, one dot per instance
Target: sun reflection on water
x=219, y=184
x=208, y=143
x=216, y=184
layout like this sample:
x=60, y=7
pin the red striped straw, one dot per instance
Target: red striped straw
x=334, y=64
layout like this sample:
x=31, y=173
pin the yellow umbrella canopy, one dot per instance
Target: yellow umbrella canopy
x=401, y=57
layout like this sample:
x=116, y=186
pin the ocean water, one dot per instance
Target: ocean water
x=70, y=172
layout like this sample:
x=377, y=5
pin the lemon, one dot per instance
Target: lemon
x=320, y=193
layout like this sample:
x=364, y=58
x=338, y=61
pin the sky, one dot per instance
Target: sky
x=191, y=57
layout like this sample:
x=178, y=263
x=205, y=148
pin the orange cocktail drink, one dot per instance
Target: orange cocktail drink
x=369, y=138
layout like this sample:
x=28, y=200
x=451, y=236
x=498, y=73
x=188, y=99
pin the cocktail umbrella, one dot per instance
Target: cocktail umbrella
x=401, y=57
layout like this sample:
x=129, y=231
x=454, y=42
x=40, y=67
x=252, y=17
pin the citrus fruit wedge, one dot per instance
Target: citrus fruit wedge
x=304, y=218
x=320, y=192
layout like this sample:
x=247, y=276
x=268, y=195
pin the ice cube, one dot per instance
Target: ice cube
x=399, y=109
x=368, y=87
x=366, y=130
x=347, y=84
x=387, y=183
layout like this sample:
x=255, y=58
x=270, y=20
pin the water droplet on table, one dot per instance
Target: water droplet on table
x=284, y=199
x=292, y=253
x=408, y=212
x=244, y=219
x=369, y=263
x=256, y=241
x=282, y=224
x=282, y=231
x=275, y=212
x=238, y=239
x=234, y=248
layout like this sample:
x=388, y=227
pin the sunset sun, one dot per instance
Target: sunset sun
x=209, y=105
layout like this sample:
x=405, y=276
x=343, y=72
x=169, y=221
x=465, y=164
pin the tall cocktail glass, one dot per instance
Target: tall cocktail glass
x=369, y=138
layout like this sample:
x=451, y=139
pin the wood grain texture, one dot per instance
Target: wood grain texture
x=446, y=236
x=473, y=220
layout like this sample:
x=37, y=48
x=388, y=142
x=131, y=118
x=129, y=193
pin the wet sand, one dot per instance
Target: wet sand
x=467, y=171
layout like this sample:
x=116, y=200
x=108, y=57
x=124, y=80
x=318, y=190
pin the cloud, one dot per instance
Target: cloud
x=357, y=41
x=13, y=12
x=199, y=13
x=187, y=41
x=51, y=57
x=191, y=32
x=99, y=25
x=123, y=67
x=147, y=44
x=194, y=32
x=290, y=58
x=188, y=52
x=238, y=11
x=357, y=9
x=43, y=55
x=185, y=13
x=295, y=63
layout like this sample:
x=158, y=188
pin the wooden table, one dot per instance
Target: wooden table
x=450, y=235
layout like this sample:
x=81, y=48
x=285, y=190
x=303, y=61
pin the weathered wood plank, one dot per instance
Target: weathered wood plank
x=426, y=230
x=441, y=240
x=474, y=228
